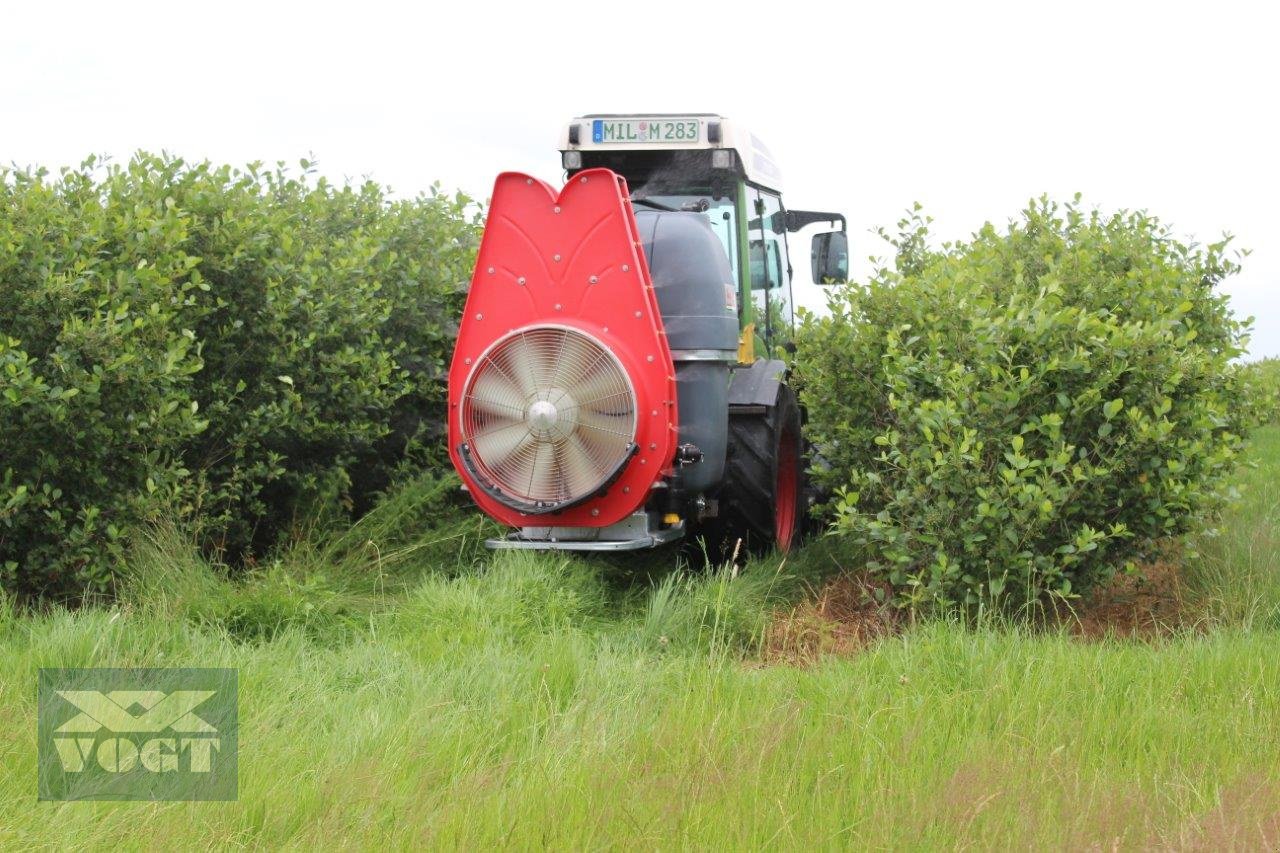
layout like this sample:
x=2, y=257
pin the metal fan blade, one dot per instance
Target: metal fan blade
x=516, y=473
x=496, y=447
x=519, y=361
x=581, y=473
x=495, y=394
x=543, y=482
x=601, y=383
x=606, y=436
x=575, y=357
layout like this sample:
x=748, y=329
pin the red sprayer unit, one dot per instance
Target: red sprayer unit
x=562, y=392
x=620, y=378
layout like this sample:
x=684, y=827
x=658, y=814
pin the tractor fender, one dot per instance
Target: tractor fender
x=757, y=384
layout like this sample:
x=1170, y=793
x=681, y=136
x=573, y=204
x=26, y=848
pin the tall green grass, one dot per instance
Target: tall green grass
x=1237, y=571
x=401, y=687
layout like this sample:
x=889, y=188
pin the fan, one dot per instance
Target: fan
x=548, y=417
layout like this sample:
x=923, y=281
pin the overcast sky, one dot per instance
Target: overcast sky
x=970, y=109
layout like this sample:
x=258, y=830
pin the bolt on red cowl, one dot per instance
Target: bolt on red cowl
x=562, y=396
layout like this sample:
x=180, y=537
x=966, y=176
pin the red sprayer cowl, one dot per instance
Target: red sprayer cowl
x=562, y=395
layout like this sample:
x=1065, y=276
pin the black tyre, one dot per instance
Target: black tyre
x=763, y=501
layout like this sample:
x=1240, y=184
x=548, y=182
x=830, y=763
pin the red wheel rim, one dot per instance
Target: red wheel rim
x=785, y=491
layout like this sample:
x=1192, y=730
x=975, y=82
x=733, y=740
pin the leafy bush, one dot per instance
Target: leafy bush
x=96, y=373
x=1263, y=379
x=237, y=345
x=1014, y=416
x=325, y=336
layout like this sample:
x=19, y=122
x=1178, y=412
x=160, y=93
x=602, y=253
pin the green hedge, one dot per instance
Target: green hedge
x=1014, y=416
x=234, y=346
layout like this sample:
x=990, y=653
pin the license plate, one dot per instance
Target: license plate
x=639, y=131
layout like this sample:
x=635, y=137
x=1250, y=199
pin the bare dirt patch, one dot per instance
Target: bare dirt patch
x=1150, y=602
x=842, y=618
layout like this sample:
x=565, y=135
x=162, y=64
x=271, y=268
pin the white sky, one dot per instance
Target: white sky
x=970, y=109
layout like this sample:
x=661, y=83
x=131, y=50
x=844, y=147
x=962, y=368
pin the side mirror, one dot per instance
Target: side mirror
x=830, y=256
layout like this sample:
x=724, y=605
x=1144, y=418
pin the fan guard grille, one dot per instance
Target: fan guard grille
x=548, y=416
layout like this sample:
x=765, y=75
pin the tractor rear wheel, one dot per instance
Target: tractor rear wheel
x=763, y=499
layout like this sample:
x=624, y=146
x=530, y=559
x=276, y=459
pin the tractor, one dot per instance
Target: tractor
x=620, y=378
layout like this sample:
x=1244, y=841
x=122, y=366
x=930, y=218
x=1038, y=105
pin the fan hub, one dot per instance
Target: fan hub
x=552, y=420
x=542, y=416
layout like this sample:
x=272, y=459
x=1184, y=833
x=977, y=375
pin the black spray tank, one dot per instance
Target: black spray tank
x=697, y=296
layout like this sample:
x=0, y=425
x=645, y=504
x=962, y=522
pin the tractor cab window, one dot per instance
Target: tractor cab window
x=721, y=212
x=770, y=272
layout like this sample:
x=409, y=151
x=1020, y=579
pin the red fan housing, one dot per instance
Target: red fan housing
x=562, y=396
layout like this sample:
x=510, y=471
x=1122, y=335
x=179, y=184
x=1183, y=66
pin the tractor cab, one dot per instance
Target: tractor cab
x=708, y=164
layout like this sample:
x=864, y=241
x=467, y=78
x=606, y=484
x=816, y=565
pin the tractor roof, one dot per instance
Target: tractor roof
x=673, y=131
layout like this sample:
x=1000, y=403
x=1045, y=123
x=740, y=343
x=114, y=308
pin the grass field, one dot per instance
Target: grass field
x=404, y=690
